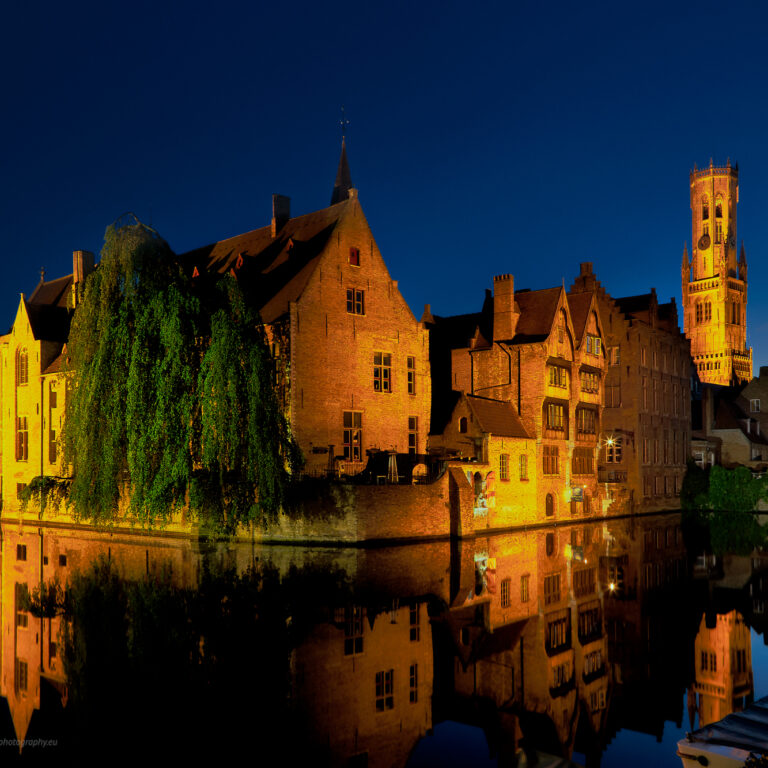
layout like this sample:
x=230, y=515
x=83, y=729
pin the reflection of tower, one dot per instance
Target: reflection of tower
x=723, y=668
x=714, y=281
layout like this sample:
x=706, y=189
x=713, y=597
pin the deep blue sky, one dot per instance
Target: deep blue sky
x=508, y=137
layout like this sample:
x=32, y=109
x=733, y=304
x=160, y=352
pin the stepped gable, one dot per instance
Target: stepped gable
x=537, y=314
x=497, y=417
x=274, y=270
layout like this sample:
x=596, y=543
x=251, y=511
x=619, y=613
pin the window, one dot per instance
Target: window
x=704, y=208
x=385, y=690
x=524, y=467
x=353, y=630
x=699, y=312
x=504, y=466
x=614, y=355
x=583, y=461
x=552, y=589
x=646, y=450
x=561, y=672
x=21, y=552
x=707, y=311
x=656, y=395
x=593, y=662
x=354, y=256
x=411, y=366
x=463, y=425
x=558, y=376
x=382, y=372
x=20, y=678
x=644, y=356
x=63, y=561
x=584, y=582
x=719, y=232
x=22, y=439
x=550, y=544
x=355, y=301
x=353, y=435
x=613, y=450
x=645, y=393
x=551, y=460
x=586, y=421
x=413, y=434
x=525, y=588
x=414, y=683
x=53, y=396
x=505, y=590
x=549, y=505
x=22, y=367
x=597, y=699
x=555, y=416
x=754, y=406
x=414, y=623
x=52, y=446
x=22, y=618
x=593, y=344
x=590, y=382
x=613, y=395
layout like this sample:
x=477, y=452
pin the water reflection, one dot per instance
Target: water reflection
x=550, y=639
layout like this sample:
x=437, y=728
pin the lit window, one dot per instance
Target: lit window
x=382, y=372
x=354, y=257
x=355, y=301
x=413, y=434
x=613, y=450
x=593, y=344
x=719, y=208
x=353, y=435
x=555, y=416
x=558, y=376
x=411, y=375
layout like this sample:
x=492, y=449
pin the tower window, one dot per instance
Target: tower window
x=704, y=208
x=699, y=312
x=707, y=311
x=22, y=367
x=719, y=208
x=718, y=232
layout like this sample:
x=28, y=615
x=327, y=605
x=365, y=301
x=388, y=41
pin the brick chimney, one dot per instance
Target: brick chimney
x=281, y=212
x=504, y=315
x=82, y=265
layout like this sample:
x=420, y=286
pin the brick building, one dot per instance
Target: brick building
x=647, y=417
x=714, y=282
x=542, y=353
x=352, y=359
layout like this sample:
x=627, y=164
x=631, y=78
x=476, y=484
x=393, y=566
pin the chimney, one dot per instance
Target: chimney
x=281, y=212
x=504, y=315
x=82, y=265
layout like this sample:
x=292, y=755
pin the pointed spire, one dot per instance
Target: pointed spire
x=686, y=261
x=343, y=177
x=743, y=254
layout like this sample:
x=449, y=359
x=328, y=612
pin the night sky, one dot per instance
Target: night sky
x=510, y=137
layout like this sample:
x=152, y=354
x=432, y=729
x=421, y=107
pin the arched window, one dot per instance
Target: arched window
x=707, y=311
x=719, y=207
x=22, y=366
x=550, y=544
x=704, y=208
x=481, y=502
x=699, y=312
x=463, y=425
x=550, y=505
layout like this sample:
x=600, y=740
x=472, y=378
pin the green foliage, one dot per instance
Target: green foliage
x=724, y=500
x=44, y=491
x=170, y=401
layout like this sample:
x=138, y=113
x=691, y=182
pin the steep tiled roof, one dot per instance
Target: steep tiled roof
x=48, y=322
x=537, y=314
x=274, y=271
x=497, y=417
x=730, y=416
x=53, y=293
x=579, y=304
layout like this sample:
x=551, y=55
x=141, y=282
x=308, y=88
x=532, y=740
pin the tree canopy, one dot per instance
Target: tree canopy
x=170, y=401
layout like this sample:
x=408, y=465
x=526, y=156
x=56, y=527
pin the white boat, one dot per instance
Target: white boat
x=730, y=741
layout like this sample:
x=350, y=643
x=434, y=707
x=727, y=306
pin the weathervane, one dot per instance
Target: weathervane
x=343, y=122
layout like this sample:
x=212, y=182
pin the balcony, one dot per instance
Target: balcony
x=611, y=475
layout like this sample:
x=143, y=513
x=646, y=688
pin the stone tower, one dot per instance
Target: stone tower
x=715, y=280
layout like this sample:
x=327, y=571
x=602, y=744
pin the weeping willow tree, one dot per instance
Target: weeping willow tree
x=170, y=404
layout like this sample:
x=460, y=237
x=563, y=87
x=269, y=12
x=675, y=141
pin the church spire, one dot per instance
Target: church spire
x=343, y=177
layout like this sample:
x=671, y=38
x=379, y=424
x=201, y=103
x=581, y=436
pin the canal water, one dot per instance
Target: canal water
x=601, y=641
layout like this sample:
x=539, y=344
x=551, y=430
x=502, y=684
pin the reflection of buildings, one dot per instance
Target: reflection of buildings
x=363, y=685
x=723, y=658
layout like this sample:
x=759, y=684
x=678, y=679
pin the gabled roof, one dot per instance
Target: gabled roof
x=53, y=293
x=273, y=270
x=579, y=304
x=496, y=417
x=537, y=314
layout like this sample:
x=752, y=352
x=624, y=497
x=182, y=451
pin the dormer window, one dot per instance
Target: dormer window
x=354, y=256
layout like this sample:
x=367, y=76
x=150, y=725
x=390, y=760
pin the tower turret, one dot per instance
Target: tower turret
x=715, y=285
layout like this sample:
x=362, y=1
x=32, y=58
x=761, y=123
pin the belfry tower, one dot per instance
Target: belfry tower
x=715, y=280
